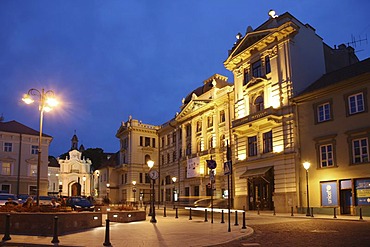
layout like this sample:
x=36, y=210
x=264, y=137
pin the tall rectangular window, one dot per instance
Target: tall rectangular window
x=323, y=112
x=33, y=170
x=252, y=146
x=222, y=116
x=267, y=65
x=147, y=141
x=360, y=150
x=141, y=177
x=246, y=77
x=153, y=142
x=209, y=121
x=267, y=142
x=8, y=147
x=6, y=168
x=257, y=69
x=326, y=155
x=34, y=149
x=199, y=126
x=162, y=140
x=188, y=130
x=356, y=103
x=141, y=141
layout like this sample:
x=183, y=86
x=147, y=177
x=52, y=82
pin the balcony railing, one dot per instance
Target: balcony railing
x=255, y=116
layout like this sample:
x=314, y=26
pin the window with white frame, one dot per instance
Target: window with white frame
x=326, y=155
x=34, y=149
x=356, y=103
x=323, y=112
x=6, y=168
x=8, y=147
x=360, y=150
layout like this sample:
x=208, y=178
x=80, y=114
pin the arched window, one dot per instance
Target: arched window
x=258, y=103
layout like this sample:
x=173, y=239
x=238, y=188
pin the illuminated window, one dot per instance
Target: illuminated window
x=252, y=146
x=326, y=155
x=33, y=170
x=210, y=121
x=6, y=168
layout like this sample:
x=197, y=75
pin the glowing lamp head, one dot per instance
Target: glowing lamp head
x=134, y=183
x=306, y=165
x=27, y=99
x=150, y=164
x=174, y=179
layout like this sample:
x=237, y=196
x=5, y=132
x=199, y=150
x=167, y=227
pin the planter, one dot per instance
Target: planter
x=126, y=216
x=42, y=224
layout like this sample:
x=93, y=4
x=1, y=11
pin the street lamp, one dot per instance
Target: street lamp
x=134, y=190
x=306, y=166
x=97, y=189
x=84, y=188
x=46, y=102
x=108, y=189
x=174, y=179
x=153, y=174
x=60, y=189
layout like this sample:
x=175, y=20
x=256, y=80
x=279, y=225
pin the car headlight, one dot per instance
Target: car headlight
x=77, y=206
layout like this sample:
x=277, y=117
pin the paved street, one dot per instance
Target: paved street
x=277, y=231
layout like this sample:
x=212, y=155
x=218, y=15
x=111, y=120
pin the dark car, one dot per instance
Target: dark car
x=80, y=204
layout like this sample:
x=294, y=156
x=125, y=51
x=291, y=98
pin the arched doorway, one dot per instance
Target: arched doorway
x=76, y=189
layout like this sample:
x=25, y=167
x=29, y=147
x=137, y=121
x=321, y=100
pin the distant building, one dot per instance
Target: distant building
x=19, y=147
x=334, y=134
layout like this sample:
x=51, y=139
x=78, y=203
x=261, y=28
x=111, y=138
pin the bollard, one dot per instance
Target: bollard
x=244, y=227
x=360, y=213
x=222, y=216
x=291, y=214
x=236, y=218
x=177, y=213
x=311, y=212
x=335, y=213
x=106, y=242
x=7, y=228
x=164, y=212
x=258, y=210
x=190, y=218
x=274, y=212
x=55, y=239
x=205, y=215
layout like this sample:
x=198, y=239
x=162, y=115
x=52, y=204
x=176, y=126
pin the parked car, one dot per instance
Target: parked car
x=44, y=200
x=80, y=204
x=4, y=197
x=207, y=203
x=22, y=198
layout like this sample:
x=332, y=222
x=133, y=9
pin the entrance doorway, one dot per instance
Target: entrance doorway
x=345, y=201
x=76, y=189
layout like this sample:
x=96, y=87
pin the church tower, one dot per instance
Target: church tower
x=74, y=142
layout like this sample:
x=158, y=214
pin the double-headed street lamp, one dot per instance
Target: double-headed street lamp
x=306, y=166
x=46, y=102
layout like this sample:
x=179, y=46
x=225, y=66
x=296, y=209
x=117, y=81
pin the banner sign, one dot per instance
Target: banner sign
x=227, y=168
x=329, y=194
x=193, y=168
x=362, y=187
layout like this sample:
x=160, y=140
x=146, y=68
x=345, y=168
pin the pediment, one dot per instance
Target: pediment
x=192, y=106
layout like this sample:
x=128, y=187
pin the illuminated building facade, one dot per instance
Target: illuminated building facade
x=334, y=134
x=199, y=132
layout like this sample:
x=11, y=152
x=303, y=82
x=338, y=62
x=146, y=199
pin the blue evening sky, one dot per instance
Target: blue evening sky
x=109, y=59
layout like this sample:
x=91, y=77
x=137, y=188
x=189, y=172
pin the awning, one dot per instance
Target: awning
x=258, y=172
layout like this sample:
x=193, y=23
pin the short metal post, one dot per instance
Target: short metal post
x=312, y=212
x=106, y=242
x=205, y=215
x=244, y=226
x=291, y=209
x=274, y=211
x=177, y=213
x=360, y=213
x=335, y=213
x=236, y=218
x=7, y=228
x=222, y=216
x=55, y=232
x=164, y=212
x=190, y=218
x=258, y=210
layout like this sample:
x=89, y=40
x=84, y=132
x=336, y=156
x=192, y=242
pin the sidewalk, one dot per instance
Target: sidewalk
x=168, y=231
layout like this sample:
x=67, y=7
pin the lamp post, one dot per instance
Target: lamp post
x=108, y=189
x=306, y=166
x=134, y=190
x=153, y=174
x=97, y=189
x=84, y=188
x=46, y=102
x=174, y=179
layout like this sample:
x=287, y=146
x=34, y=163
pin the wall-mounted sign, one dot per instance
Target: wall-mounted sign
x=362, y=187
x=329, y=194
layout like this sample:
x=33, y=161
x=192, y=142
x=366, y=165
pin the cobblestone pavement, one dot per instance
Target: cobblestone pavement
x=271, y=231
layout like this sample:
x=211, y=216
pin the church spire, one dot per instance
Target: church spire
x=74, y=142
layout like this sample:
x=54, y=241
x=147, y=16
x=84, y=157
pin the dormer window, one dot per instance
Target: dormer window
x=257, y=69
x=258, y=103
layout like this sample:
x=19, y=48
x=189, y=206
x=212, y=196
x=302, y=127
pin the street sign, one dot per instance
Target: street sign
x=212, y=176
x=211, y=164
x=227, y=167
